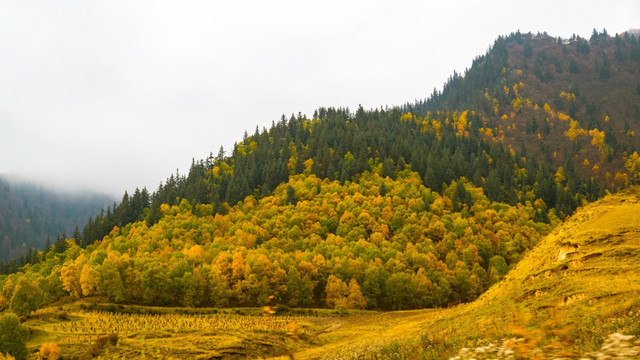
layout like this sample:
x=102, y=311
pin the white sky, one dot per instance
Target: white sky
x=114, y=95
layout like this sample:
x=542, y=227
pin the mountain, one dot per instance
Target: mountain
x=429, y=204
x=458, y=157
x=569, y=102
x=29, y=214
x=535, y=113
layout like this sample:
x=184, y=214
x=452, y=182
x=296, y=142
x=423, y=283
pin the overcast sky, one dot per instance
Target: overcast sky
x=114, y=95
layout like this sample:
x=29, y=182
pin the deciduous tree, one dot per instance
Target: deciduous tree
x=26, y=298
x=13, y=337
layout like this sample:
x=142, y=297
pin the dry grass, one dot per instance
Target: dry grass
x=564, y=299
x=578, y=286
x=86, y=334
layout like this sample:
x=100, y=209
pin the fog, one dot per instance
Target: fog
x=110, y=96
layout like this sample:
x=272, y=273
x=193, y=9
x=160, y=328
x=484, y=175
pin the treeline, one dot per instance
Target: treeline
x=341, y=143
x=541, y=56
x=337, y=145
x=441, y=146
x=524, y=72
x=376, y=242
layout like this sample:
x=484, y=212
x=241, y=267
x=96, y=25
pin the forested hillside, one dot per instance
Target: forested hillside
x=338, y=145
x=375, y=242
x=30, y=214
x=539, y=114
x=422, y=205
x=572, y=103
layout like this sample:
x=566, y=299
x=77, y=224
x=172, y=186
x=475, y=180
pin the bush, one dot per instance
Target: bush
x=63, y=315
x=49, y=351
x=101, y=342
x=13, y=337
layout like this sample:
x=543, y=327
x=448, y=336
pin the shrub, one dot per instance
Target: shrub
x=63, y=315
x=13, y=337
x=101, y=342
x=49, y=351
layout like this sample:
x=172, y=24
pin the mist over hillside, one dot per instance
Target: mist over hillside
x=482, y=202
x=31, y=212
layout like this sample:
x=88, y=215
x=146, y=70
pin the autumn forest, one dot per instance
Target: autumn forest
x=423, y=205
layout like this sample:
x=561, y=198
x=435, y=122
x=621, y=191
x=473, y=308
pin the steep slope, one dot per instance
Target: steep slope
x=577, y=286
x=556, y=117
x=569, y=102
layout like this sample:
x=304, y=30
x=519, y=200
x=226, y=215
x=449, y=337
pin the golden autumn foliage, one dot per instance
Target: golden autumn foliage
x=597, y=137
x=49, y=351
x=574, y=130
x=306, y=253
x=633, y=166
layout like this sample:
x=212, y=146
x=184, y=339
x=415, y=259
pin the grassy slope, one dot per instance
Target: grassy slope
x=579, y=284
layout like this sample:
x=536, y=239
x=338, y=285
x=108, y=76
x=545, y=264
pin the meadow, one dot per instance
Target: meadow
x=152, y=332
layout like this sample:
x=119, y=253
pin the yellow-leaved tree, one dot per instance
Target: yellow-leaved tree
x=633, y=165
x=355, y=300
x=336, y=291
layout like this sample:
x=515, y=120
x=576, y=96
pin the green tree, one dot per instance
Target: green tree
x=26, y=298
x=573, y=66
x=306, y=291
x=528, y=50
x=461, y=197
x=111, y=282
x=400, y=291
x=291, y=195
x=294, y=283
x=154, y=214
x=219, y=288
x=373, y=285
x=155, y=285
x=500, y=264
x=603, y=67
x=13, y=337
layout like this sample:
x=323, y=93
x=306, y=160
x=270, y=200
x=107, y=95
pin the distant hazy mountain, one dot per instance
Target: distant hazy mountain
x=29, y=212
